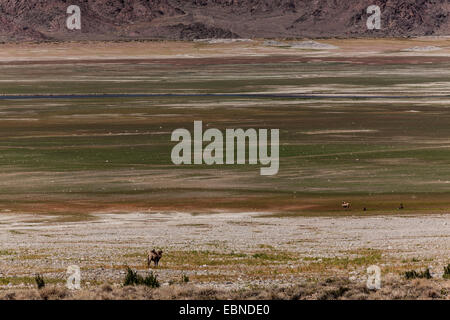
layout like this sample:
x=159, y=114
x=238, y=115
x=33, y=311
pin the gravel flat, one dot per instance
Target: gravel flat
x=102, y=246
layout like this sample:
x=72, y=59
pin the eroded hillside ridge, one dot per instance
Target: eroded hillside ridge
x=196, y=19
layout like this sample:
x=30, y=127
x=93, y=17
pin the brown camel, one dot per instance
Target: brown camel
x=346, y=205
x=154, y=256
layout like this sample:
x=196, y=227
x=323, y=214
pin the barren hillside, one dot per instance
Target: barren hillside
x=193, y=19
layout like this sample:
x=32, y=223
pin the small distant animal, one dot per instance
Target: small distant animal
x=365, y=209
x=401, y=207
x=154, y=256
x=346, y=205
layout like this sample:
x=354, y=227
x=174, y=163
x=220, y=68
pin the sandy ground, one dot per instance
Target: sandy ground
x=51, y=52
x=103, y=246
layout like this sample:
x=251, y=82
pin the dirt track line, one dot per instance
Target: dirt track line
x=216, y=95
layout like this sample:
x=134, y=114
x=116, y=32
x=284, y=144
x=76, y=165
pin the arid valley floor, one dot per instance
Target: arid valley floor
x=87, y=179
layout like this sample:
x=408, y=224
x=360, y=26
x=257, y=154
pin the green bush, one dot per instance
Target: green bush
x=184, y=278
x=413, y=274
x=39, y=281
x=133, y=278
x=151, y=281
x=447, y=272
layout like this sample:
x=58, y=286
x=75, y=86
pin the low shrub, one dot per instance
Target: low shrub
x=133, y=278
x=446, y=272
x=39, y=281
x=413, y=274
x=184, y=278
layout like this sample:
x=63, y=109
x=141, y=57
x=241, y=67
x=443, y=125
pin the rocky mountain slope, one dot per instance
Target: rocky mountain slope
x=194, y=19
